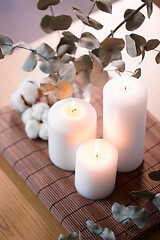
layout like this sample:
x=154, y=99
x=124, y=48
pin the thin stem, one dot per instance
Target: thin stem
x=156, y=50
x=112, y=70
x=52, y=12
x=29, y=49
x=126, y=19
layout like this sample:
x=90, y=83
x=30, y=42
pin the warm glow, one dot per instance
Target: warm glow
x=73, y=106
x=96, y=149
x=125, y=83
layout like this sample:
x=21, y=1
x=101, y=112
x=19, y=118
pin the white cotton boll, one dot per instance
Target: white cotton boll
x=30, y=79
x=32, y=128
x=38, y=110
x=45, y=116
x=17, y=102
x=43, y=132
x=27, y=115
x=29, y=90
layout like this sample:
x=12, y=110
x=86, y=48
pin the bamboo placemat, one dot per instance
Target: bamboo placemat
x=55, y=187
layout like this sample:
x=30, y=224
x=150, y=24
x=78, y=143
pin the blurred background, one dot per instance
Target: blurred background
x=20, y=19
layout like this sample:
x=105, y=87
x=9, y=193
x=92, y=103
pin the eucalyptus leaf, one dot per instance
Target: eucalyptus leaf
x=99, y=77
x=143, y=54
x=48, y=85
x=73, y=236
x=96, y=62
x=135, y=21
x=46, y=51
x=1, y=54
x=70, y=36
x=83, y=63
x=84, y=77
x=138, y=215
x=120, y=64
x=155, y=175
x=45, y=67
x=120, y=213
x=156, y=201
x=62, y=237
x=5, y=40
x=149, y=7
x=144, y=194
x=140, y=43
x=69, y=47
x=68, y=72
x=158, y=58
x=152, y=44
x=51, y=23
x=89, y=41
x=93, y=228
x=130, y=46
x=113, y=44
x=105, y=56
x=108, y=234
x=67, y=58
x=104, y=5
x=137, y=73
x=44, y=4
x=87, y=20
x=30, y=63
x=63, y=89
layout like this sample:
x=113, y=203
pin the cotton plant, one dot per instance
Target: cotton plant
x=34, y=113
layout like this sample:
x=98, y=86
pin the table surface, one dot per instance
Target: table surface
x=22, y=215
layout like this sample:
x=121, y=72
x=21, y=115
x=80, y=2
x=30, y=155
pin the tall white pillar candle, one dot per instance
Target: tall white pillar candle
x=96, y=167
x=71, y=122
x=124, y=118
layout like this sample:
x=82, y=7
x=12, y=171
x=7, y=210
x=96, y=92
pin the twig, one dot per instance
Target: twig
x=52, y=11
x=126, y=19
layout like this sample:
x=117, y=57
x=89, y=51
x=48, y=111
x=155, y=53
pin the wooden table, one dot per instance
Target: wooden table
x=22, y=215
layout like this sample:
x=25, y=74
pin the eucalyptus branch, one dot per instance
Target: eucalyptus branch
x=126, y=19
x=29, y=49
x=156, y=50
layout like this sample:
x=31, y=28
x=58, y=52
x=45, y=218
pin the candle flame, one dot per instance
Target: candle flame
x=73, y=106
x=125, y=83
x=96, y=149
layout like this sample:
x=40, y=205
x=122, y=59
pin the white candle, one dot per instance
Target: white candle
x=71, y=122
x=124, y=117
x=96, y=167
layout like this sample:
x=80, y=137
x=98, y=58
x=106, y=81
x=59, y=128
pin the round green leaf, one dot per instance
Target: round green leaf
x=158, y=58
x=155, y=175
x=73, y=236
x=44, y=4
x=69, y=47
x=7, y=41
x=45, y=67
x=144, y=194
x=152, y=44
x=99, y=77
x=70, y=36
x=84, y=77
x=96, y=62
x=156, y=201
x=68, y=72
x=120, y=64
x=63, y=89
x=46, y=51
x=149, y=7
x=89, y=41
x=130, y=46
x=83, y=63
x=104, y=5
x=1, y=54
x=135, y=21
x=138, y=215
x=140, y=43
x=30, y=62
x=137, y=73
x=105, y=56
x=108, y=234
x=120, y=213
x=93, y=228
x=63, y=49
x=113, y=44
x=67, y=58
x=51, y=23
x=93, y=23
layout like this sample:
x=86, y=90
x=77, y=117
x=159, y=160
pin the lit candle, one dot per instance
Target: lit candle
x=96, y=167
x=124, y=117
x=71, y=122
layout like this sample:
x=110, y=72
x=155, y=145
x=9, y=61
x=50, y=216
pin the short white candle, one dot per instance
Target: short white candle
x=124, y=118
x=96, y=167
x=71, y=122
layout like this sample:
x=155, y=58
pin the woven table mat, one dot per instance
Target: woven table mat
x=55, y=187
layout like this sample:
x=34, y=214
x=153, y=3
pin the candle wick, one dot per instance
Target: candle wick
x=125, y=88
x=96, y=154
x=73, y=110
